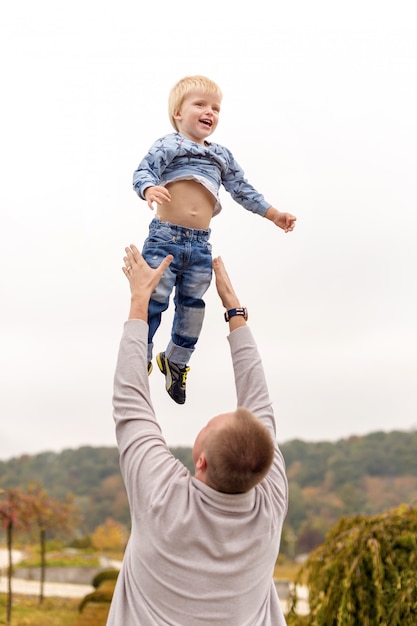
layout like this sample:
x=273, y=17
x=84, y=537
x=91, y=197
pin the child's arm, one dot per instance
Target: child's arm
x=286, y=221
x=234, y=181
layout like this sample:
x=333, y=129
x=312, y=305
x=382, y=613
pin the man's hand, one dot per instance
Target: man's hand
x=224, y=285
x=158, y=194
x=142, y=280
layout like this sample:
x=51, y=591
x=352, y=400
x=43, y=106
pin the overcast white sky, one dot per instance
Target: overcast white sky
x=320, y=102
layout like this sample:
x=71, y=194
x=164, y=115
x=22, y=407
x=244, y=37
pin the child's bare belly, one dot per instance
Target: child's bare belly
x=191, y=205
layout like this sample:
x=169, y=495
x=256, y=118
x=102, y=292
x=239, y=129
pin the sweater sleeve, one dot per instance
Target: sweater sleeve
x=251, y=387
x=240, y=189
x=252, y=393
x=150, y=170
x=145, y=459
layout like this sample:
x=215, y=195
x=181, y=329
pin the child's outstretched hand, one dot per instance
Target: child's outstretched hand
x=156, y=194
x=286, y=221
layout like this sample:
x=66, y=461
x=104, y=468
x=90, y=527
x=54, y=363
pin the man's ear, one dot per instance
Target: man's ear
x=201, y=463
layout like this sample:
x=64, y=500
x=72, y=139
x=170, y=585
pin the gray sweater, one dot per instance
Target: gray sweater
x=195, y=557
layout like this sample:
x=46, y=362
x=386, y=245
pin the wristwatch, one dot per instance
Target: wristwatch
x=242, y=311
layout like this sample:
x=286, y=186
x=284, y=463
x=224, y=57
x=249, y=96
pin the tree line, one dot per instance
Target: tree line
x=328, y=480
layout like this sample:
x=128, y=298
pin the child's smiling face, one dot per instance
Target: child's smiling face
x=198, y=116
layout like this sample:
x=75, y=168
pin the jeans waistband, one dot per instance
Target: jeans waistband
x=182, y=232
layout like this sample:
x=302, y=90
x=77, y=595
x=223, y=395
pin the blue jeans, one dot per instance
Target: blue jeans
x=190, y=273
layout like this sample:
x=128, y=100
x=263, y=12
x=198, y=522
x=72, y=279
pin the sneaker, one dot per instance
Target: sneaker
x=150, y=367
x=175, y=377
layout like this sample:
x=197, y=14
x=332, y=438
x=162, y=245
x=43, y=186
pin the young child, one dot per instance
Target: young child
x=182, y=174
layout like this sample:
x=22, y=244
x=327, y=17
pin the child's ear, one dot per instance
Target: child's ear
x=177, y=114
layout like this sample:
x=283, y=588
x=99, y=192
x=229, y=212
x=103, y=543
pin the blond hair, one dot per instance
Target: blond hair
x=240, y=454
x=183, y=88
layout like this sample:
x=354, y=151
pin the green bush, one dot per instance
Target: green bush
x=365, y=572
x=106, y=574
x=93, y=615
x=100, y=596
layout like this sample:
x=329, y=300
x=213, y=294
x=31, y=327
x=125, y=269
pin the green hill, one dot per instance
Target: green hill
x=358, y=475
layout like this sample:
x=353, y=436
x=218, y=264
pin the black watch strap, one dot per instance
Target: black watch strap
x=242, y=311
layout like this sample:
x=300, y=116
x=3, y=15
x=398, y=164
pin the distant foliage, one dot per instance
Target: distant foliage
x=91, y=474
x=346, y=461
x=328, y=480
x=110, y=536
x=365, y=572
x=358, y=475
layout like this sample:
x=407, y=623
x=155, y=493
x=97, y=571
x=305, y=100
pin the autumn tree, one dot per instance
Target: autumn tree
x=110, y=536
x=53, y=515
x=14, y=516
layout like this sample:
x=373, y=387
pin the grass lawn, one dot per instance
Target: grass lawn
x=287, y=570
x=26, y=611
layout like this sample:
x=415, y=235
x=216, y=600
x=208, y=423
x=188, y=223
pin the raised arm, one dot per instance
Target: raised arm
x=140, y=440
x=251, y=388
